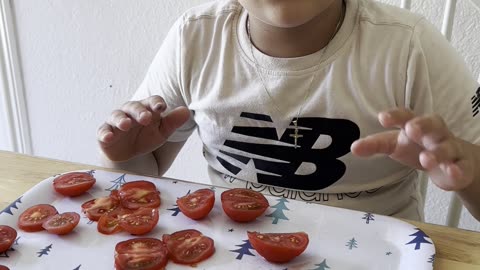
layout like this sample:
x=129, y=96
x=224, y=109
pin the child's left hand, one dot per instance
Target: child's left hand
x=425, y=143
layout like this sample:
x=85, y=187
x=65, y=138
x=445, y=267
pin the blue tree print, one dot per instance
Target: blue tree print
x=13, y=205
x=44, y=251
x=243, y=250
x=117, y=183
x=352, y=243
x=278, y=213
x=432, y=259
x=420, y=238
x=91, y=172
x=322, y=266
x=368, y=217
x=176, y=209
x=78, y=267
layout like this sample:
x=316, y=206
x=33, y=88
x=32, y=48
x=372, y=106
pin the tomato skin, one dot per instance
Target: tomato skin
x=95, y=208
x=189, y=247
x=138, y=194
x=198, y=204
x=7, y=237
x=61, y=224
x=74, y=183
x=141, y=254
x=279, y=247
x=3, y=267
x=31, y=220
x=140, y=222
x=109, y=223
x=243, y=205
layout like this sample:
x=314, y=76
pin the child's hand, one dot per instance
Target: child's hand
x=422, y=142
x=139, y=128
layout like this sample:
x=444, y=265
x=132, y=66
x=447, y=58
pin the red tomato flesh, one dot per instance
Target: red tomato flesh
x=95, y=208
x=278, y=247
x=198, y=204
x=139, y=194
x=189, y=246
x=141, y=254
x=7, y=237
x=62, y=223
x=73, y=184
x=31, y=220
x=243, y=205
x=140, y=222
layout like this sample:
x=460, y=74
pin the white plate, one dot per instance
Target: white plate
x=339, y=238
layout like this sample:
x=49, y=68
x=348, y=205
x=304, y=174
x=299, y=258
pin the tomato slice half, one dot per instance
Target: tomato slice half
x=198, y=204
x=141, y=254
x=278, y=247
x=189, y=247
x=95, y=208
x=243, y=205
x=7, y=237
x=138, y=194
x=3, y=267
x=31, y=220
x=140, y=222
x=110, y=223
x=62, y=223
x=74, y=183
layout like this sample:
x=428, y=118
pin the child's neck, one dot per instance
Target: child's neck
x=298, y=41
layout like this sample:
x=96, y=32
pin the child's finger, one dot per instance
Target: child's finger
x=120, y=120
x=380, y=143
x=452, y=176
x=156, y=103
x=105, y=133
x=138, y=112
x=395, y=118
x=173, y=120
x=427, y=131
x=447, y=151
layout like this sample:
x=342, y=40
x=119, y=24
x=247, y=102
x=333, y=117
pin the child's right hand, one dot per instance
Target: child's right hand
x=139, y=128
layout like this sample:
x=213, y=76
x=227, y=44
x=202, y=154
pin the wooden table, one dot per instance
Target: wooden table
x=456, y=249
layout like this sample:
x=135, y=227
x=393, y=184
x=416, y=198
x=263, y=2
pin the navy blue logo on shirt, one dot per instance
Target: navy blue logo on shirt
x=277, y=165
x=476, y=102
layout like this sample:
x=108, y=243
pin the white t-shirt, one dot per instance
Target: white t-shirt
x=382, y=57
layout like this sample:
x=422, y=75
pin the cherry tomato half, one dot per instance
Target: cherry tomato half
x=141, y=254
x=31, y=220
x=95, y=208
x=7, y=237
x=109, y=223
x=62, y=223
x=188, y=246
x=3, y=267
x=198, y=204
x=278, y=247
x=139, y=194
x=140, y=222
x=243, y=205
x=73, y=184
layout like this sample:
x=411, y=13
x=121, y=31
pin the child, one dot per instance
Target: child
x=298, y=98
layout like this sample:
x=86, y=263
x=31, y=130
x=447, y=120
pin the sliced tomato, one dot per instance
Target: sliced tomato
x=140, y=222
x=62, y=223
x=139, y=194
x=109, y=223
x=3, y=267
x=7, y=237
x=31, y=220
x=73, y=184
x=243, y=205
x=141, y=254
x=95, y=208
x=278, y=247
x=198, y=204
x=189, y=246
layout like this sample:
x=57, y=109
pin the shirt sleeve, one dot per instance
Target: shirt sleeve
x=164, y=78
x=439, y=81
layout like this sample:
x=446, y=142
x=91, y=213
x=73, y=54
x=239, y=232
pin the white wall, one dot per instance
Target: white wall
x=82, y=58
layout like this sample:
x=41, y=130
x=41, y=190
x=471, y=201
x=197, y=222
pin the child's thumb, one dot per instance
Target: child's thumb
x=173, y=120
